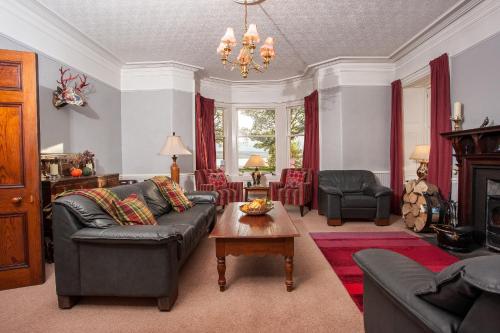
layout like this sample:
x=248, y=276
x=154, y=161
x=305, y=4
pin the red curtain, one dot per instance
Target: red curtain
x=397, y=156
x=205, y=133
x=311, y=140
x=440, y=154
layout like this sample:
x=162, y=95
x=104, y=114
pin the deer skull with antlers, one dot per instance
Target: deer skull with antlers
x=66, y=94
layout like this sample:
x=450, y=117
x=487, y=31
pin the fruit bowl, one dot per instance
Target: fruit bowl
x=257, y=207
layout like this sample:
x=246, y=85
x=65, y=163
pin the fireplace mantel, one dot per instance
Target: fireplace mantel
x=476, y=151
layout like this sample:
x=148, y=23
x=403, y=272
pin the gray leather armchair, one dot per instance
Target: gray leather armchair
x=94, y=256
x=391, y=283
x=352, y=194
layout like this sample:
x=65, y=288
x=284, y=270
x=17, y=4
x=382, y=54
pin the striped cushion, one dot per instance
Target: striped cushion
x=131, y=210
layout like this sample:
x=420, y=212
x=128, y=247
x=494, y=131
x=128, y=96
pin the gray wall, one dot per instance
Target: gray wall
x=366, y=127
x=95, y=127
x=148, y=117
x=476, y=82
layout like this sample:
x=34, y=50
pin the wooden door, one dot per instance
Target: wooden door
x=21, y=259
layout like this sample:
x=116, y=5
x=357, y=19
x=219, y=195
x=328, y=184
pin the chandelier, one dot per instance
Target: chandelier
x=245, y=60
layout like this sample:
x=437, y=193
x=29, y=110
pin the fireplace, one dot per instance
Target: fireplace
x=477, y=152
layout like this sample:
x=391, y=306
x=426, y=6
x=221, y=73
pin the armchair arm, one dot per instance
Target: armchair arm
x=203, y=197
x=206, y=187
x=139, y=234
x=305, y=194
x=332, y=190
x=273, y=188
x=377, y=190
x=238, y=186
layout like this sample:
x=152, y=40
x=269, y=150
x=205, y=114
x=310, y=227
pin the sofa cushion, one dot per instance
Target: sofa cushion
x=358, y=201
x=197, y=217
x=124, y=191
x=87, y=211
x=154, y=199
x=131, y=210
x=457, y=287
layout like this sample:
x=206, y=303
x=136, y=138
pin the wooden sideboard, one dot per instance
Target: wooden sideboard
x=52, y=187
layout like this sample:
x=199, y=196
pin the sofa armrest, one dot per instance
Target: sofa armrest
x=203, y=197
x=130, y=234
x=400, y=277
x=377, y=190
x=206, y=187
x=332, y=190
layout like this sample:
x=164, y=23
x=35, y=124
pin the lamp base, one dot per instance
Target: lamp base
x=256, y=176
x=422, y=170
x=174, y=170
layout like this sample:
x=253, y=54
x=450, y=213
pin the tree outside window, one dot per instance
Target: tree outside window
x=296, y=118
x=257, y=135
x=219, y=135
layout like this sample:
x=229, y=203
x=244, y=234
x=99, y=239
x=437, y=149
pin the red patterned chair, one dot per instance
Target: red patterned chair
x=232, y=193
x=299, y=195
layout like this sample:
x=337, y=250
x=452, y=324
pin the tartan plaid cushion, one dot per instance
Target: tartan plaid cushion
x=294, y=178
x=218, y=179
x=131, y=210
x=173, y=193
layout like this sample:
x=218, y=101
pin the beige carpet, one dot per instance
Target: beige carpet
x=255, y=301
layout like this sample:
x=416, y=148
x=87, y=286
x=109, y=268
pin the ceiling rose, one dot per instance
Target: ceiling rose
x=245, y=59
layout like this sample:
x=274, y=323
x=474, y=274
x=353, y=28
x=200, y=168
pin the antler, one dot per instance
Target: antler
x=83, y=83
x=64, y=81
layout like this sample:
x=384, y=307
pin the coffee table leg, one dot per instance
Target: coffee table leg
x=289, y=273
x=221, y=268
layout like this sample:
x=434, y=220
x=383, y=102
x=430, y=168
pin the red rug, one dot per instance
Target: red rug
x=338, y=248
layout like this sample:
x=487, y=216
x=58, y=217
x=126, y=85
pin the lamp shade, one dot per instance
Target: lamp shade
x=174, y=146
x=421, y=153
x=255, y=161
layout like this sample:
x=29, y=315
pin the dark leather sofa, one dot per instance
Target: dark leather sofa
x=352, y=194
x=391, y=283
x=94, y=256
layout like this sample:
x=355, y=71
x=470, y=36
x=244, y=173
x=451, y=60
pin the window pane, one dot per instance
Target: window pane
x=256, y=122
x=297, y=118
x=263, y=146
x=219, y=135
x=296, y=151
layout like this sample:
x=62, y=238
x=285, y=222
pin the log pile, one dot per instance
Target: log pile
x=414, y=207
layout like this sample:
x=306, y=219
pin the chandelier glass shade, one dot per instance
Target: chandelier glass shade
x=245, y=59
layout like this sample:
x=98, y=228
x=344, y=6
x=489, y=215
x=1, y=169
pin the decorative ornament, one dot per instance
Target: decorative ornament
x=65, y=94
x=485, y=123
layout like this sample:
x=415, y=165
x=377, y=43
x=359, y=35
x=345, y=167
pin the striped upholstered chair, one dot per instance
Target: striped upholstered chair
x=299, y=195
x=233, y=192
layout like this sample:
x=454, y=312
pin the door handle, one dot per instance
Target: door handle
x=17, y=200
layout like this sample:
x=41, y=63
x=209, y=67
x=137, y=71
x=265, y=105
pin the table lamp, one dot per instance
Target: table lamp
x=421, y=154
x=174, y=147
x=255, y=161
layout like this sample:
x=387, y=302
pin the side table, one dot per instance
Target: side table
x=257, y=191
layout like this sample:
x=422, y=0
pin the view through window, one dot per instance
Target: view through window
x=219, y=135
x=257, y=136
x=296, y=120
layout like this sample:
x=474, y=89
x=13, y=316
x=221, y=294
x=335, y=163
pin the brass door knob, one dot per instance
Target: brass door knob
x=17, y=200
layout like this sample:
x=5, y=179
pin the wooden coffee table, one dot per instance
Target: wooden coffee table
x=238, y=234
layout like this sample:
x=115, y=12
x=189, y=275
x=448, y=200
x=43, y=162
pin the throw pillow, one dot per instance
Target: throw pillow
x=218, y=179
x=131, y=210
x=173, y=193
x=456, y=287
x=294, y=178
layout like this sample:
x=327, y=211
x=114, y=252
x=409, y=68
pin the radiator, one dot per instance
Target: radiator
x=384, y=177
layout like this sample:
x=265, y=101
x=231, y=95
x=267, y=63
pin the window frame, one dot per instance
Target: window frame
x=254, y=108
x=224, y=136
x=289, y=134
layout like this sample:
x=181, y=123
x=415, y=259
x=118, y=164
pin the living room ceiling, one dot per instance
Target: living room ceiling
x=305, y=32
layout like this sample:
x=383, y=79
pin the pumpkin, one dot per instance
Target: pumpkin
x=76, y=172
x=86, y=171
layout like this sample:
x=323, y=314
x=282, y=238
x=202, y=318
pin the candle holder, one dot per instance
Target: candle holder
x=457, y=123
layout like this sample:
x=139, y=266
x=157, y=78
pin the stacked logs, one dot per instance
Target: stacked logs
x=414, y=209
